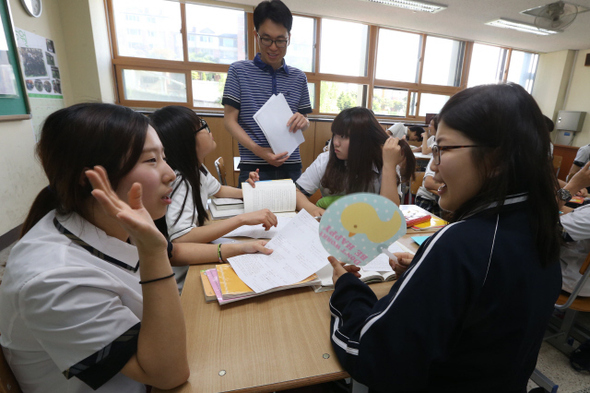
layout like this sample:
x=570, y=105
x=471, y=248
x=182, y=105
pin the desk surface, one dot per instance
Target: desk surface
x=264, y=344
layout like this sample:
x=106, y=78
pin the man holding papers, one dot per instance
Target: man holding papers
x=251, y=83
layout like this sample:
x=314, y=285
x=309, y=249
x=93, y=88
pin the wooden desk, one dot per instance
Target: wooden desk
x=272, y=342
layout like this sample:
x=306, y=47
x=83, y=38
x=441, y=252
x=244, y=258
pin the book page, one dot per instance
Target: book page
x=257, y=231
x=381, y=262
x=297, y=254
x=275, y=195
x=272, y=118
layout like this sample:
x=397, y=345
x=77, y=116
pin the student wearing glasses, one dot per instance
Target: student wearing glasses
x=250, y=83
x=187, y=140
x=470, y=311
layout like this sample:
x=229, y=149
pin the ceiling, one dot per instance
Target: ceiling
x=463, y=19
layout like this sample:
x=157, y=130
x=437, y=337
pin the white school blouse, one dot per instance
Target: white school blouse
x=64, y=310
x=573, y=254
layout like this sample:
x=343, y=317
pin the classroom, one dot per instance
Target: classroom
x=555, y=69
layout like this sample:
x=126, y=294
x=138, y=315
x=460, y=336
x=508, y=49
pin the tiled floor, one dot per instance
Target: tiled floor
x=552, y=363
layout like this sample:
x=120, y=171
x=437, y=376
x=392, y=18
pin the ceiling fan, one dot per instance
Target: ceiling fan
x=555, y=16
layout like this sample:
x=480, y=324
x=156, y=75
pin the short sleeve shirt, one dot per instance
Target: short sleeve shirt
x=70, y=318
x=249, y=84
x=573, y=254
x=582, y=156
x=422, y=191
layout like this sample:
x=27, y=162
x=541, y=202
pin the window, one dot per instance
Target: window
x=443, y=62
x=208, y=88
x=335, y=96
x=301, y=51
x=154, y=86
x=220, y=31
x=487, y=65
x=311, y=88
x=431, y=103
x=343, y=48
x=523, y=68
x=390, y=102
x=398, y=54
x=160, y=21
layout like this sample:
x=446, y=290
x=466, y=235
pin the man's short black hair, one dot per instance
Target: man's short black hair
x=274, y=10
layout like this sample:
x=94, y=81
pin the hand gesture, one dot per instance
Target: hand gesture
x=341, y=268
x=253, y=178
x=297, y=122
x=404, y=259
x=132, y=217
x=582, y=178
x=254, y=247
x=273, y=159
x=264, y=217
x=392, y=152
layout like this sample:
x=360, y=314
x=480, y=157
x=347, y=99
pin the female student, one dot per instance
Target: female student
x=470, y=312
x=430, y=136
x=362, y=158
x=188, y=140
x=77, y=313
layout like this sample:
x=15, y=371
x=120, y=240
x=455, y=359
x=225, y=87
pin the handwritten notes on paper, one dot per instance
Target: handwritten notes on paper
x=297, y=254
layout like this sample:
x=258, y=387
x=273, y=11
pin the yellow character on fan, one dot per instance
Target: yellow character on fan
x=362, y=218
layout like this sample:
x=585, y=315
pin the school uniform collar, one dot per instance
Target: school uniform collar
x=510, y=202
x=101, y=245
x=265, y=67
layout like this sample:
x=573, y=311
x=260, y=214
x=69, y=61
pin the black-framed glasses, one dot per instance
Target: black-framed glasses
x=204, y=125
x=436, y=150
x=280, y=43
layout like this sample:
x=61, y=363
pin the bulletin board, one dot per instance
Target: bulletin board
x=14, y=104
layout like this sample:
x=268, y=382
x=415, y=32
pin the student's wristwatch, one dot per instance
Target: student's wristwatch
x=564, y=195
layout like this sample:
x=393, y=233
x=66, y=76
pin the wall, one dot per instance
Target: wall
x=578, y=98
x=21, y=177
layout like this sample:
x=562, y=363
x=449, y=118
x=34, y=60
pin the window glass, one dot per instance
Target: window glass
x=343, y=48
x=522, y=70
x=487, y=65
x=148, y=29
x=392, y=102
x=208, y=88
x=443, y=62
x=301, y=50
x=397, y=56
x=215, y=35
x=311, y=88
x=336, y=96
x=154, y=86
x=431, y=103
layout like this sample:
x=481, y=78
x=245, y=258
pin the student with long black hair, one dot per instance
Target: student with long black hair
x=88, y=301
x=361, y=158
x=470, y=312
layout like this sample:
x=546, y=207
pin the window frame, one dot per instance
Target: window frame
x=369, y=81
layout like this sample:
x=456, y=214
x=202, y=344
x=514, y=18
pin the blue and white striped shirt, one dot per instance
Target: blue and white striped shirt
x=249, y=84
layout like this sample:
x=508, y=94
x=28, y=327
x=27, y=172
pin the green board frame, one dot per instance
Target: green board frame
x=13, y=107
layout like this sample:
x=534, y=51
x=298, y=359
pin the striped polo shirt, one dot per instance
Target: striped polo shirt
x=249, y=84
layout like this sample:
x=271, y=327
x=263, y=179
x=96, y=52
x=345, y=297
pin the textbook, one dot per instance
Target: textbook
x=367, y=276
x=433, y=223
x=217, y=213
x=414, y=214
x=227, y=203
x=275, y=195
x=228, y=287
x=207, y=288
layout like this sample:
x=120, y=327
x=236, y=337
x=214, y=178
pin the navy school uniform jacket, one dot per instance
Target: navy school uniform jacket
x=468, y=315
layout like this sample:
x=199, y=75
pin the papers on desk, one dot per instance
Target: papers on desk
x=272, y=119
x=257, y=231
x=298, y=253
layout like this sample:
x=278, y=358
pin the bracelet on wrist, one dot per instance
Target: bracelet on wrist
x=219, y=257
x=157, y=279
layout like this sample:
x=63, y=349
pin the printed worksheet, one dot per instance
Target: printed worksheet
x=297, y=254
x=257, y=231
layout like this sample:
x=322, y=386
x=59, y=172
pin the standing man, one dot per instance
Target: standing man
x=250, y=83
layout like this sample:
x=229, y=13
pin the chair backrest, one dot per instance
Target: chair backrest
x=416, y=183
x=8, y=382
x=557, y=164
x=220, y=167
x=572, y=300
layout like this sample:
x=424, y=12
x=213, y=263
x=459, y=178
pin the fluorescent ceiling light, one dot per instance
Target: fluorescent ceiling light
x=509, y=24
x=412, y=5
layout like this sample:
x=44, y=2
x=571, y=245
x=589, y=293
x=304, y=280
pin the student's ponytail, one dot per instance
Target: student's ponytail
x=45, y=202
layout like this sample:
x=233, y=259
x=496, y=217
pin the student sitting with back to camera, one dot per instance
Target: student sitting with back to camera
x=361, y=158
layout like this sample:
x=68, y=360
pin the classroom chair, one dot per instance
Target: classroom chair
x=557, y=164
x=414, y=186
x=8, y=383
x=220, y=167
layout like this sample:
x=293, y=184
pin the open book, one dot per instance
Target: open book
x=228, y=287
x=275, y=195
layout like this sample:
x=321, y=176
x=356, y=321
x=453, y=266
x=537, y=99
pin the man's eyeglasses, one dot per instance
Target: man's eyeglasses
x=265, y=41
x=436, y=150
x=204, y=125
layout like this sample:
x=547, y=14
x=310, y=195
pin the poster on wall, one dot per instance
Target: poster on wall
x=40, y=66
x=7, y=77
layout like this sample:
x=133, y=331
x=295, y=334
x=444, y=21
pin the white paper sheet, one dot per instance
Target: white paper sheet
x=272, y=118
x=257, y=231
x=381, y=261
x=298, y=253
